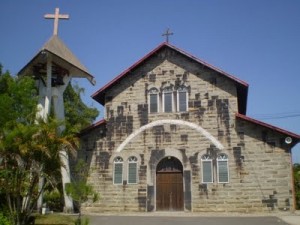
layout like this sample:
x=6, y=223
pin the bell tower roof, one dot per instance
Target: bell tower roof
x=62, y=57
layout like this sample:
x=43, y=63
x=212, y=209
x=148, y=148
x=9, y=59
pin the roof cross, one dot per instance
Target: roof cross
x=167, y=34
x=56, y=17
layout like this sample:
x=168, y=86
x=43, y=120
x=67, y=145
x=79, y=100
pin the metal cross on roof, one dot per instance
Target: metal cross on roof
x=167, y=34
x=56, y=17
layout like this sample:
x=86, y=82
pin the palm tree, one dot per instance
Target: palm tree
x=29, y=152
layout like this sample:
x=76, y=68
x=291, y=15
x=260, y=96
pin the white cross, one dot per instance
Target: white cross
x=56, y=17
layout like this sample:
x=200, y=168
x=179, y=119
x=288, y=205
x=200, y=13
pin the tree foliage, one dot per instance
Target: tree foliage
x=18, y=150
x=18, y=100
x=79, y=190
x=296, y=169
x=29, y=149
x=78, y=115
x=28, y=153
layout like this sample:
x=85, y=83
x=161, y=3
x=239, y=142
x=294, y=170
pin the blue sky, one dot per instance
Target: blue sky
x=257, y=41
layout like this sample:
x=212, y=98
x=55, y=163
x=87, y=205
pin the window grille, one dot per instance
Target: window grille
x=153, y=100
x=223, y=174
x=168, y=100
x=182, y=99
x=118, y=170
x=207, y=171
x=132, y=170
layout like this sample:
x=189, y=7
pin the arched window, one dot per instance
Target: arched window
x=132, y=170
x=207, y=169
x=182, y=99
x=153, y=100
x=168, y=100
x=118, y=170
x=222, y=164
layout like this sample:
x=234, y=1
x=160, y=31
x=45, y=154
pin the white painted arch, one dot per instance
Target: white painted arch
x=175, y=122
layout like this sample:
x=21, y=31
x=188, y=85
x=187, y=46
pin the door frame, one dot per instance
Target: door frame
x=183, y=180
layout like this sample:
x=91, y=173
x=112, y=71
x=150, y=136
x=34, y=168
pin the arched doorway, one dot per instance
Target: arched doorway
x=169, y=185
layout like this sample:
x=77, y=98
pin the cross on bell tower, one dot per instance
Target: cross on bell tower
x=54, y=66
x=167, y=34
x=56, y=17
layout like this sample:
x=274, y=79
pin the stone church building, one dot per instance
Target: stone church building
x=176, y=137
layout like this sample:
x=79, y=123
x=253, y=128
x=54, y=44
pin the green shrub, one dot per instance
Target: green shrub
x=4, y=220
x=53, y=200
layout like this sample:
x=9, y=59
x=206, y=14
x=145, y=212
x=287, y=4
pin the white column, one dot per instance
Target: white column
x=58, y=104
x=48, y=87
x=43, y=112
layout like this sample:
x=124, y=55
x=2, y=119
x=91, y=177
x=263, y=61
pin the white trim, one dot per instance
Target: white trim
x=211, y=169
x=157, y=101
x=163, y=100
x=176, y=122
x=222, y=160
x=118, y=162
x=136, y=170
x=186, y=100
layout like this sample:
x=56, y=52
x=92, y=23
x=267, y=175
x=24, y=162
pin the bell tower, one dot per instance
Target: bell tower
x=53, y=67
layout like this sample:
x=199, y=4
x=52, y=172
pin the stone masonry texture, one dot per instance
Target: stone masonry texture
x=259, y=162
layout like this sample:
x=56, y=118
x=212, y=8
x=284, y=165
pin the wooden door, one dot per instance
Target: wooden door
x=169, y=185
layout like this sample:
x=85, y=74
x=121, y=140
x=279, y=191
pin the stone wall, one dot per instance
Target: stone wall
x=259, y=162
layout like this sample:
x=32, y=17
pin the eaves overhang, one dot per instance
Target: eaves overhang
x=295, y=137
x=242, y=86
x=92, y=127
x=60, y=56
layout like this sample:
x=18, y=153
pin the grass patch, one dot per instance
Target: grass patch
x=54, y=219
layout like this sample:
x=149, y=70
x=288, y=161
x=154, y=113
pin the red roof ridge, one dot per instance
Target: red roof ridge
x=208, y=65
x=128, y=69
x=94, y=96
x=280, y=130
x=92, y=126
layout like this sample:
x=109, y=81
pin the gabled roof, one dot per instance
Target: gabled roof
x=295, y=137
x=61, y=55
x=242, y=87
x=86, y=130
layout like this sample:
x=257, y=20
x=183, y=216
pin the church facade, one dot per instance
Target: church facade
x=175, y=137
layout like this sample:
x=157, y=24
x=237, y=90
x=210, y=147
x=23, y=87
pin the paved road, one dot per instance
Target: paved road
x=174, y=220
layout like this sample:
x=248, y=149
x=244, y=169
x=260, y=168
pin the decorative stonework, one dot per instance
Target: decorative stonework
x=259, y=163
x=174, y=122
